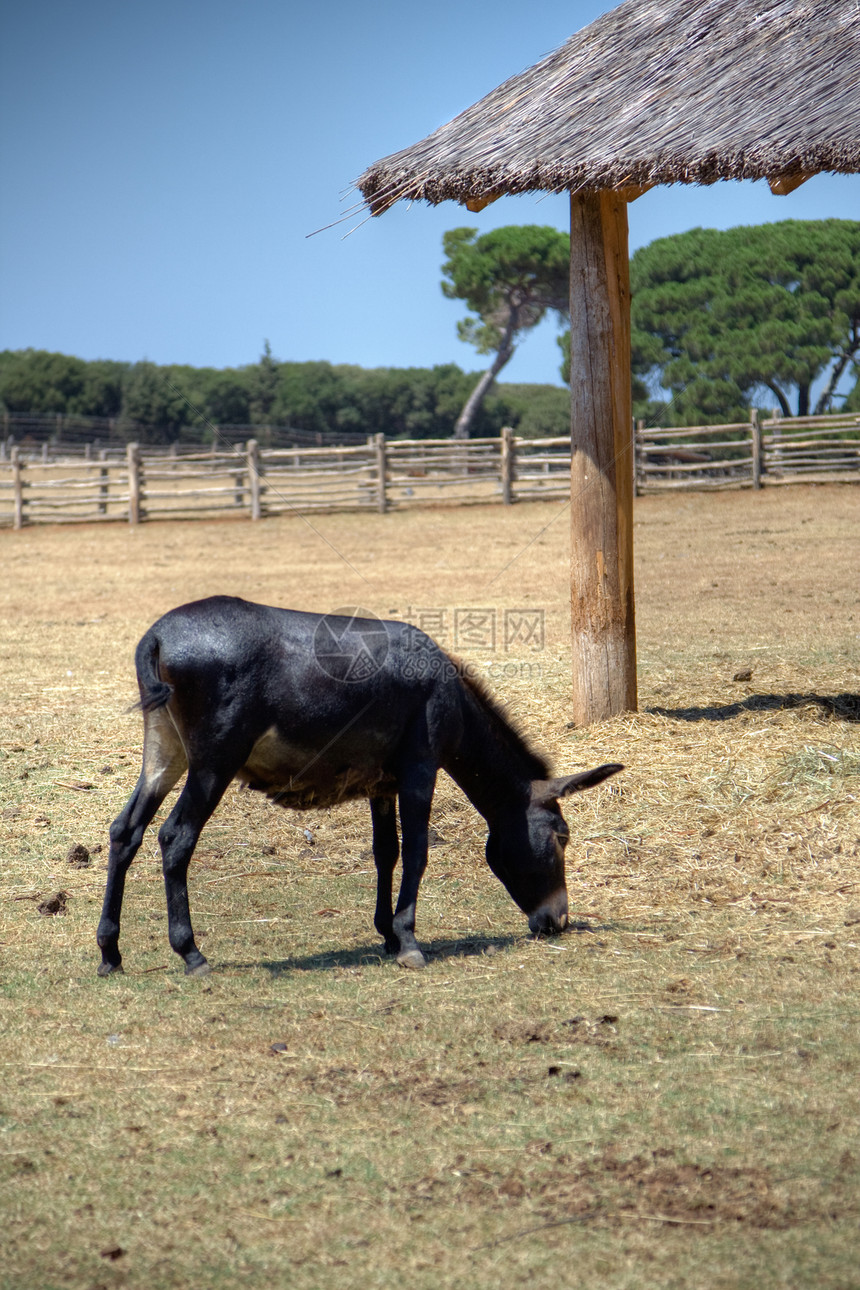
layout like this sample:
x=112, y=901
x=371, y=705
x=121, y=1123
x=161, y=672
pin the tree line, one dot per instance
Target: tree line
x=722, y=320
x=174, y=403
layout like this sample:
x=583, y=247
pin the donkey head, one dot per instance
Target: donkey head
x=525, y=849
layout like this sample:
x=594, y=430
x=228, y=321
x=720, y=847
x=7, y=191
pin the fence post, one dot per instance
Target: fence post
x=638, y=436
x=776, y=435
x=508, y=463
x=755, y=426
x=252, y=449
x=17, y=487
x=134, y=472
x=239, y=479
x=381, y=470
x=104, y=476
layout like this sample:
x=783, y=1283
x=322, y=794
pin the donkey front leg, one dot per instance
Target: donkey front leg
x=416, y=796
x=178, y=838
x=386, y=852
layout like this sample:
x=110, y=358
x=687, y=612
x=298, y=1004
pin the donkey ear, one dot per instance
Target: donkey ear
x=545, y=790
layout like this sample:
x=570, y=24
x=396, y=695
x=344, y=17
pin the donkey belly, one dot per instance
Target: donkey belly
x=302, y=777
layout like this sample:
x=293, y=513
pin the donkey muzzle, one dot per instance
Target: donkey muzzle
x=550, y=917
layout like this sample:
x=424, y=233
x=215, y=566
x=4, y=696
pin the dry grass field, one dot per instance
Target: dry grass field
x=666, y=1096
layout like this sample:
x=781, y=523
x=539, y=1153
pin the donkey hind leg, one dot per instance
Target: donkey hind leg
x=178, y=836
x=164, y=762
x=416, y=796
x=386, y=851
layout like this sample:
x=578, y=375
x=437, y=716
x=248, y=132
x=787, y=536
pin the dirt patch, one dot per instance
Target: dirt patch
x=654, y=1187
x=599, y=1031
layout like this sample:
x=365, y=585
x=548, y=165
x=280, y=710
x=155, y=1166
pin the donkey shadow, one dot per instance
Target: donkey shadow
x=373, y=955
x=845, y=707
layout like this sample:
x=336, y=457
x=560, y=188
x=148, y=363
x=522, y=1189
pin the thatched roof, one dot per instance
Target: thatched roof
x=656, y=91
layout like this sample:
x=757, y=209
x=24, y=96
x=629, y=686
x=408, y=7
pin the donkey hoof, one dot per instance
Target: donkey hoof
x=108, y=969
x=412, y=959
x=198, y=969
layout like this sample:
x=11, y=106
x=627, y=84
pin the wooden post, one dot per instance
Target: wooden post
x=508, y=464
x=638, y=458
x=252, y=448
x=17, y=488
x=133, y=459
x=755, y=428
x=379, y=449
x=104, y=476
x=601, y=475
x=776, y=435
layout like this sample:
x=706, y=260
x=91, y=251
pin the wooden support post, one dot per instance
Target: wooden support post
x=755, y=427
x=381, y=468
x=133, y=459
x=17, y=488
x=601, y=475
x=508, y=465
x=252, y=449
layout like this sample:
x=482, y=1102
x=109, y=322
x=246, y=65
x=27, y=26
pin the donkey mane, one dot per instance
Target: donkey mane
x=502, y=724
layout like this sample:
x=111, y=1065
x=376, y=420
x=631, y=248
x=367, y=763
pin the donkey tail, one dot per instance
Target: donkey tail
x=154, y=693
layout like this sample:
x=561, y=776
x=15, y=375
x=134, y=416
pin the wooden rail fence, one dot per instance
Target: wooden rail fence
x=748, y=454
x=382, y=475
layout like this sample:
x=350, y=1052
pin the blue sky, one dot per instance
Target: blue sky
x=163, y=164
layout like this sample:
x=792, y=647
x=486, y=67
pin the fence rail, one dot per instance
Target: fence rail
x=382, y=475
x=748, y=454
